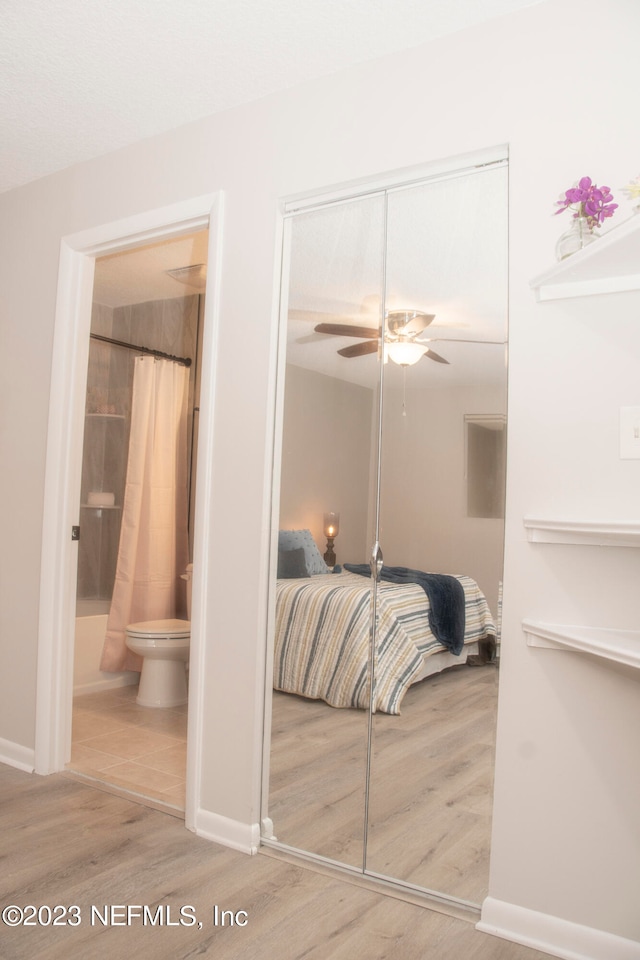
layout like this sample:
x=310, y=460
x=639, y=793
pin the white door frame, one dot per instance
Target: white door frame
x=63, y=469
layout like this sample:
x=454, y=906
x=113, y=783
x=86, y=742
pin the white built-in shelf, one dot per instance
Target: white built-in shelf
x=618, y=647
x=611, y=264
x=599, y=533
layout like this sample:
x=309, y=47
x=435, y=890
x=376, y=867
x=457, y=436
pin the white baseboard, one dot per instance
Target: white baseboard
x=244, y=837
x=553, y=935
x=15, y=755
x=99, y=686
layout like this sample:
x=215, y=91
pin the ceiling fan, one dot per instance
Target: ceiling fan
x=401, y=340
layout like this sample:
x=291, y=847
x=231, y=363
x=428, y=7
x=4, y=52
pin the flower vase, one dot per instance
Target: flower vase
x=580, y=234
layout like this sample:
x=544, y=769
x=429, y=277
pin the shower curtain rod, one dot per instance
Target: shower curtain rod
x=186, y=361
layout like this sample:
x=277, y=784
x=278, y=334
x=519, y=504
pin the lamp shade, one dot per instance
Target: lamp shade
x=406, y=353
x=331, y=524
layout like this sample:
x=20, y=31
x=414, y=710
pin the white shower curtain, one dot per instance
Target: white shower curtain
x=153, y=550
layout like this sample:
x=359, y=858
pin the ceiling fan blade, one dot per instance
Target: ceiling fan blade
x=359, y=349
x=432, y=355
x=346, y=330
x=495, y=343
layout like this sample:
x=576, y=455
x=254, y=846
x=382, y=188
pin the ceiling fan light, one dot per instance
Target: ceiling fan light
x=406, y=354
x=408, y=323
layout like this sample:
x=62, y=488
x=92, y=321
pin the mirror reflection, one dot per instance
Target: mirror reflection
x=322, y=644
x=394, y=414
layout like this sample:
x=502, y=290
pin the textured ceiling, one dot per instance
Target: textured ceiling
x=79, y=78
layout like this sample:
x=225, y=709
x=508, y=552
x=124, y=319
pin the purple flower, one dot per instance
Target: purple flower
x=592, y=202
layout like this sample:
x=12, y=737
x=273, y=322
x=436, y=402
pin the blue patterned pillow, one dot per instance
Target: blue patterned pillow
x=293, y=539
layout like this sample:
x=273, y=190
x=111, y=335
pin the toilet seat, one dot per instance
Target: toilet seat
x=169, y=629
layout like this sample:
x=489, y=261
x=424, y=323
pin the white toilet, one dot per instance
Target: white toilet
x=164, y=647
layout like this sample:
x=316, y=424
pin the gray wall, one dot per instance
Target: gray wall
x=166, y=325
x=326, y=452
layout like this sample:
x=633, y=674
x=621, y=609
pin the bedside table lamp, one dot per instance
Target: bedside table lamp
x=331, y=530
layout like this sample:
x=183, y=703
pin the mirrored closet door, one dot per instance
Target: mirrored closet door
x=393, y=413
x=328, y=458
x=441, y=511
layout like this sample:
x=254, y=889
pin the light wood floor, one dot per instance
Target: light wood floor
x=431, y=784
x=430, y=799
x=64, y=842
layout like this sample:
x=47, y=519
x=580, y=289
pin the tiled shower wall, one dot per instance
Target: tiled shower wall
x=167, y=325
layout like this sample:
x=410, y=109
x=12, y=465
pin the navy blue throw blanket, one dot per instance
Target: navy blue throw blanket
x=446, y=600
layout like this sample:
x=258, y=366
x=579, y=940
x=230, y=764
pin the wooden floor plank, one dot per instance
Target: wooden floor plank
x=430, y=797
x=64, y=842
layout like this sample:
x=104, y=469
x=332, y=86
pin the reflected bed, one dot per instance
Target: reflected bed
x=322, y=632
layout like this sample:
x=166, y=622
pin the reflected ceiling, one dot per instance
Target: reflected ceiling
x=446, y=255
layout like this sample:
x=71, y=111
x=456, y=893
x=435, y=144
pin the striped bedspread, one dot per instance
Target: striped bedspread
x=322, y=632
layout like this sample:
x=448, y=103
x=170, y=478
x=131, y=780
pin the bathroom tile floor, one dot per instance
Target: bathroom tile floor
x=140, y=749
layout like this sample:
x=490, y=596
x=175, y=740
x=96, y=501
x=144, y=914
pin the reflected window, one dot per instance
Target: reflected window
x=485, y=444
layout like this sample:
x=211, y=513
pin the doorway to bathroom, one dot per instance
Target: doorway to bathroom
x=147, y=315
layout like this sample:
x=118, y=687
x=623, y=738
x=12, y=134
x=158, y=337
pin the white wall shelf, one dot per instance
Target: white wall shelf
x=621, y=647
x=609, y=265
x=600, y=533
